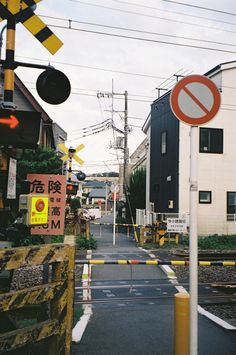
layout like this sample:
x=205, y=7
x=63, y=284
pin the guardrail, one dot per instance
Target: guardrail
x=153, y=262
x=59, y=292
x=145, y=233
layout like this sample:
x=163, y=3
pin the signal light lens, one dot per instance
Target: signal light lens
x=53, y=86
x=71, y=189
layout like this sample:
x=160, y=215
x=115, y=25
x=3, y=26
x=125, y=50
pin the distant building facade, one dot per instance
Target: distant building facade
x=168, y=159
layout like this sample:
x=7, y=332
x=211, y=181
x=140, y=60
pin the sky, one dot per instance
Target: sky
x=92, y=61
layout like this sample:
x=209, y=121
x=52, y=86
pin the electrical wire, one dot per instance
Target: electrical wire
x=141, y=31
x=91, y=95
x=92, y=127
x=149, y=40
x=89, y=134
x=174, y=12
x=202, y=7
x=150, y=16
x=94, y=68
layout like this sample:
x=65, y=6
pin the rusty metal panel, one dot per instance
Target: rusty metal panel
x=59, y=292
x=35, y=295
x=20, y=337
x=31, y=256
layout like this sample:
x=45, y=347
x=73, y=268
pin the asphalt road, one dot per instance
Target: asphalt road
x=132, y=307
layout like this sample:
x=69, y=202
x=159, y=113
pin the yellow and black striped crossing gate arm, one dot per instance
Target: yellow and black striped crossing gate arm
x=40, y=30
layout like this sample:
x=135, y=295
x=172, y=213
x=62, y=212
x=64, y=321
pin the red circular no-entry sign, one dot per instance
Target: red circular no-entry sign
x=195, y=100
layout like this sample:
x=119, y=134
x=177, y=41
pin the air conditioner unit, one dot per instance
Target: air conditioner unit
x=151, y=206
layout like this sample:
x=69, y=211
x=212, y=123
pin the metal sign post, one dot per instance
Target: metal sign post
x=114, y=219
x=193, y=240
x=114, y=189
x=194, y=100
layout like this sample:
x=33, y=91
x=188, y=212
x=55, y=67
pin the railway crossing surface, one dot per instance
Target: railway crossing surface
x=130, y=307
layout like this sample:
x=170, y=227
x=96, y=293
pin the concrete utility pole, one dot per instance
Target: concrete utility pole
x=125, y=148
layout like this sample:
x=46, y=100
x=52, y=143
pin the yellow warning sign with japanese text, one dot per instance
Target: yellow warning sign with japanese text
x=38, y=213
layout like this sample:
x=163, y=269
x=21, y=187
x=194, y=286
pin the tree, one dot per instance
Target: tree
x=38, y=161
x=136, y=193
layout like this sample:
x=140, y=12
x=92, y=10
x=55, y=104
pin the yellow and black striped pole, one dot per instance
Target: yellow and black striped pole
x=9, y=65
x=9, y=62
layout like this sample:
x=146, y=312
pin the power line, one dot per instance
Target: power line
x=144, y=39
x=139, y=31
x=174, y=12
x=202, y=7
x=91, y=95
x=94, y=68
x=85, y=129
x=150, y=16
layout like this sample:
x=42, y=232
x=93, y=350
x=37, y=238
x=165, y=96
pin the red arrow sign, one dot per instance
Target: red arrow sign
x=12, y=121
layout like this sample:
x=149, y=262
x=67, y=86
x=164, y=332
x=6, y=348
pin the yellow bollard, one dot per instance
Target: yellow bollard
x=181, y=324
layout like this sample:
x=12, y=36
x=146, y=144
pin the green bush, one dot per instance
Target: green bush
x=215, y=242
x=83, y=244
x=57, y=239
x=75, y=203
x=29, y=240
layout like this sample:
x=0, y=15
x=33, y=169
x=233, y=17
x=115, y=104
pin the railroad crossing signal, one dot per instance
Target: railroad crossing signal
x=19, y=129
x=70, y=153
x=22, y=12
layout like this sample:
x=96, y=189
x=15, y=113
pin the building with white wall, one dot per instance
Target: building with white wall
x=168, y=159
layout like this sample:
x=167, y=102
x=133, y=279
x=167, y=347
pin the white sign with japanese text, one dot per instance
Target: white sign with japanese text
x=11, y=182
x=176, y=225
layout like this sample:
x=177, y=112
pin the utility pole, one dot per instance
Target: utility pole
x=126, y=149
x=126, y=128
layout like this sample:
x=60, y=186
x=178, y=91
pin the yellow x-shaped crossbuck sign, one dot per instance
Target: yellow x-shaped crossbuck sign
x=22, y=12
x=15, y=6
x=72, y=155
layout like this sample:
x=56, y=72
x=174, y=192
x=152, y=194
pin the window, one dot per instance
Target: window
x=231, y=202
x=211, y=140
x=163, y=142
x=204, y=196
x=231, y=206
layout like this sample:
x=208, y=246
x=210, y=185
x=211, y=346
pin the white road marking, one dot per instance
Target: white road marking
x=81, y=325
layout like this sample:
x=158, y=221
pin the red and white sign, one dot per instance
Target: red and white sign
x=195, y=100
x=55, y=187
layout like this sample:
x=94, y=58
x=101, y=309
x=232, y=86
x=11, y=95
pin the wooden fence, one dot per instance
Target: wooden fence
x=57, y=294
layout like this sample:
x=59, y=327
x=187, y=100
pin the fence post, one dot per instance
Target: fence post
x=70, y=299
x=141, y=236
x=62, y=308
x=59, y=271
x=181, y=324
